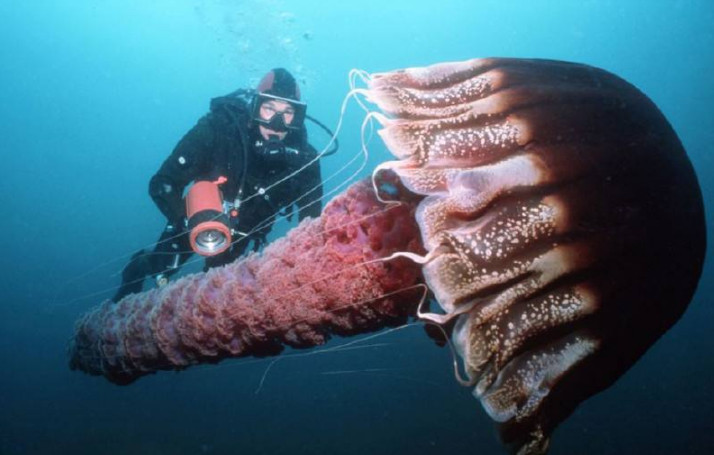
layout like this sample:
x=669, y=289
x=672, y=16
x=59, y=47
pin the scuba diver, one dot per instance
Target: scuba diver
x=248, y=142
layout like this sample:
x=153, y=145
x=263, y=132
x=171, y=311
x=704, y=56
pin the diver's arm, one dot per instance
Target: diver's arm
x=190, y=158
x=311, y=204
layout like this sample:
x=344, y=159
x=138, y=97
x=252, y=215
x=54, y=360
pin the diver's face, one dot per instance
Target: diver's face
x=271, y=108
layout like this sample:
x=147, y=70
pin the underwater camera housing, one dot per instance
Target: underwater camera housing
x=208, y=224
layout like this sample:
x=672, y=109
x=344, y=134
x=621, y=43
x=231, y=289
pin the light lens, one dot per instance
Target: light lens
x=210, y=241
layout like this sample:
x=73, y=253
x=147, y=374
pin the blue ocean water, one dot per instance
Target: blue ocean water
x=94, y=96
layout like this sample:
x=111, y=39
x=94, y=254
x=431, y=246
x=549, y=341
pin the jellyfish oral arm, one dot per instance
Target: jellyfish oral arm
x=334, y=275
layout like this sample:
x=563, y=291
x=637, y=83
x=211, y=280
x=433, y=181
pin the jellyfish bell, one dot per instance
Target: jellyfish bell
x=564, y=221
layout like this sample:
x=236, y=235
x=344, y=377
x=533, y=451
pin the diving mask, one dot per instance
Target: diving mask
x=278, y=114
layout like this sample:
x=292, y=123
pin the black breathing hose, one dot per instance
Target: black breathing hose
x=335, y=142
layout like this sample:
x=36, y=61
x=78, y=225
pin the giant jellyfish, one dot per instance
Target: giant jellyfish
x=548, y=208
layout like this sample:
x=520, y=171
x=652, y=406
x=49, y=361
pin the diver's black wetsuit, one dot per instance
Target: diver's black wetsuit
x=224, y=143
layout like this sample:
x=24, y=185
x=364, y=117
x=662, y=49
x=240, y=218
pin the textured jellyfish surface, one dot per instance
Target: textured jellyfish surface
x=564, y=220
x=548, y=206
x=325, y=277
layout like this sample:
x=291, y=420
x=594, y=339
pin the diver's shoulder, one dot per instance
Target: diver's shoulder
x=238, y=102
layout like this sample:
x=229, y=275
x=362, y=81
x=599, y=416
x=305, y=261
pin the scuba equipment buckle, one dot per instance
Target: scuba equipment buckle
x=161, y=280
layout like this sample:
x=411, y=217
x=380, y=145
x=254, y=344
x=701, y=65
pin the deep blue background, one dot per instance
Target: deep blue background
x=94, y=95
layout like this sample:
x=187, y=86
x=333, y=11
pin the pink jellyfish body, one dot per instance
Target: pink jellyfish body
x=558, y=220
